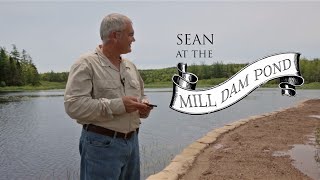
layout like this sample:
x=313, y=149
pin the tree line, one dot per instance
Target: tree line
x=202, y=70
x=310, y=70
x=54, y=77
x=17, y=68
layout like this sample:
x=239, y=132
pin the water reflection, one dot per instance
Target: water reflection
x=21, y=96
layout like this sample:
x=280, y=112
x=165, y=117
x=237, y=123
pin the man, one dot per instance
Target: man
x=105, y=94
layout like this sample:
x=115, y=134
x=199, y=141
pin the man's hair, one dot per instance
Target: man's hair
x=112, y=22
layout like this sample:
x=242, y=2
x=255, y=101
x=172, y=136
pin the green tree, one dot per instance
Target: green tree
x=18, y=75
x=4, y=67
x=15, y=53
x=12, y=72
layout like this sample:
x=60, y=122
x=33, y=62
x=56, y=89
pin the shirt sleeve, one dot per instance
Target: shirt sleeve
x=143, y=96
x=79, y=103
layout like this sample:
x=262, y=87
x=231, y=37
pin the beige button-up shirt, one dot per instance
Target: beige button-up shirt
x=94, y=92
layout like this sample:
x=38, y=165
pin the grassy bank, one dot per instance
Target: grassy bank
x=46, y=85
x=214, y=82
x=200, y=83
x=313, y=85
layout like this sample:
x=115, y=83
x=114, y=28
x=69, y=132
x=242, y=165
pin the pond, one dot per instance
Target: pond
x=38, y=140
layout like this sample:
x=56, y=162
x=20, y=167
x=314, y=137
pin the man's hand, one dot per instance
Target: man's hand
x=132, y=104
x=145, y=112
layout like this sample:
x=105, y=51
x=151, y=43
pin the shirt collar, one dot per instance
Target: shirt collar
x=106, y=62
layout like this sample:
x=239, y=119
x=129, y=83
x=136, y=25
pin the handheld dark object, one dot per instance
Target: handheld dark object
x=151, y=105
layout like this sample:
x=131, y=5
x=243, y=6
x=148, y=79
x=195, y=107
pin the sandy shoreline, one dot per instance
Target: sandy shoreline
x=245, y=149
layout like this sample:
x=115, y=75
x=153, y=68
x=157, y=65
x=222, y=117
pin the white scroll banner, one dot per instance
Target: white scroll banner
x=186, y=99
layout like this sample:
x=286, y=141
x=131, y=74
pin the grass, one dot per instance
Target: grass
x=46, y=85
x=200, y=83
x=213, y=82
x=313, y=85
x=167, y=84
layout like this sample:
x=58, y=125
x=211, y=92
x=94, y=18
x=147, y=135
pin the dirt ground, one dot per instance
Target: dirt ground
x=246, y=152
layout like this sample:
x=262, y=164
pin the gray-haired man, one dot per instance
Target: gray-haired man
x=105, y=94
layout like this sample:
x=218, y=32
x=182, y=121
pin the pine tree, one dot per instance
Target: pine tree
x=15, y=53
x=3, y=67
x=12, y=72
x=24, y=63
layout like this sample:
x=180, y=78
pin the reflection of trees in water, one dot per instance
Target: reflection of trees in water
x=24, y=97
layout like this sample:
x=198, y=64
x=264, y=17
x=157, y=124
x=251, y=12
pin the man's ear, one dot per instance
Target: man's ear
x=117, y=35
x=113, y=35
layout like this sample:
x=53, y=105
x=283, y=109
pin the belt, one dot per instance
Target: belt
x=108, y=132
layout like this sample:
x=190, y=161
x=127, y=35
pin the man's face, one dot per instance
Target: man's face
x=125, y=39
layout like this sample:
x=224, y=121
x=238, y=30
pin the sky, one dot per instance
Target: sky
x=56, y=33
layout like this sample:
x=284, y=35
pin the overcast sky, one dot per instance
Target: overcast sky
x=55, y=34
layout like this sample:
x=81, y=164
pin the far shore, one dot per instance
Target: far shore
x=46, y=85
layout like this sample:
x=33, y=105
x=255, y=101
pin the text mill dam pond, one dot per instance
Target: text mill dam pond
x=38, y=140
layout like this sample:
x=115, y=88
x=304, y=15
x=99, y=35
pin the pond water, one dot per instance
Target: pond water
x=38, y=140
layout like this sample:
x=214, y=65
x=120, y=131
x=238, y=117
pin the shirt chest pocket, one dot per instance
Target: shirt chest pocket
x=133, y=88
x=110, y=89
